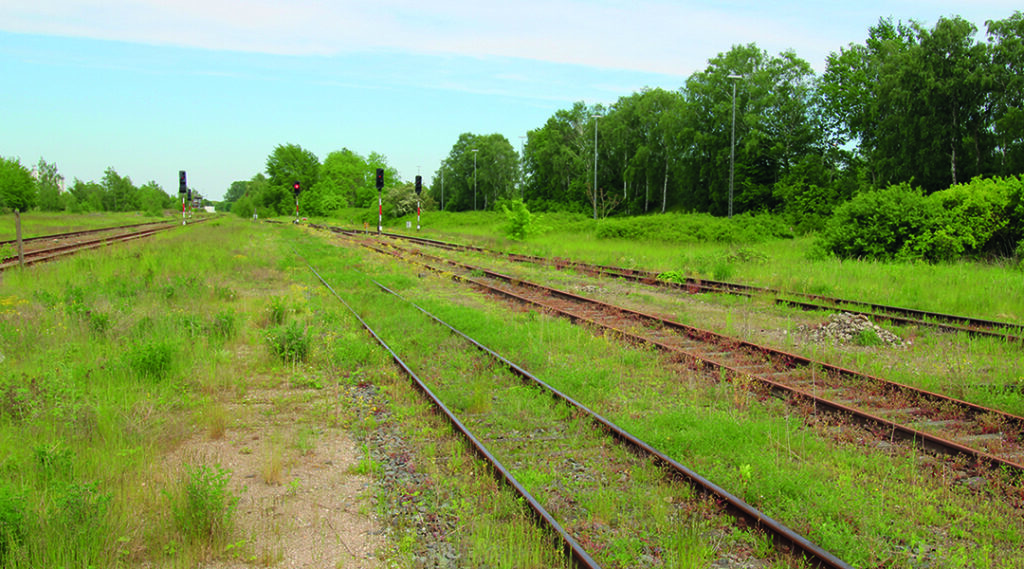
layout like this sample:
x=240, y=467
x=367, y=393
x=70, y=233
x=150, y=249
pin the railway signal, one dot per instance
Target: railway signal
x=182, y=190
x=380, y=201
x=296, y=189
x=419, y=188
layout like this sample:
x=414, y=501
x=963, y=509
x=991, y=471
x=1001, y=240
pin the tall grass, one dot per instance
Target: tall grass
x=104, y=353
x=859, y=504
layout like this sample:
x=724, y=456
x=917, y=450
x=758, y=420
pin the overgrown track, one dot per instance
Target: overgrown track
x=1011, y=332
x=49, y=247
x=988, y=438
x=787, y=541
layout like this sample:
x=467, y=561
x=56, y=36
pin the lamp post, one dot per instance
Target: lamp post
x=522, y=167
x=595, y=117
x=732, y=146
x=474, y=178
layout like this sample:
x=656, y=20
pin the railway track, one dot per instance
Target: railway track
x=585, y=455
x=987, y=438
x=1009, y=331
x=49, y=247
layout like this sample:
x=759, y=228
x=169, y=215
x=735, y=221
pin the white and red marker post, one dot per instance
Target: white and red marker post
x=380, y=201
x=419, y=188
x=182, y=190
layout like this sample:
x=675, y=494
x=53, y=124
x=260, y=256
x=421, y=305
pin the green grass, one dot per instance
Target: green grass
x=105, y=355
x=36, y=223
x=109, y=357
x=785, y=264
x=869, y=508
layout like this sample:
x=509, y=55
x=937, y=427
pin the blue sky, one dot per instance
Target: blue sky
x=150, y=87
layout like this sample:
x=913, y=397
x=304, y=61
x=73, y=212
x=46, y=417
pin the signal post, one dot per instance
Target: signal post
x=419, y=188
x=182, y=191
x=380, y=201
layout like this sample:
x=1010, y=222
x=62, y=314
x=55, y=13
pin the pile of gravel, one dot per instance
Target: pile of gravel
x=845, y=328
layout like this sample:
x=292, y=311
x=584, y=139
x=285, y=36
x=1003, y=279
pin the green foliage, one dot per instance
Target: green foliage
x=13, y=515
x=877, y=224
x=694, y=228
x=53, y=462
x=289, y=342
x=402, y=200
x=224, y=325
x=151, y=359
x=867, y=338
x=277, y=312
x=478, y=180
x=288, y=163
x=49, y=184
x=244, y=208
x=17, y=187
x=981, y=217
x=521, y=223
x=202, y=506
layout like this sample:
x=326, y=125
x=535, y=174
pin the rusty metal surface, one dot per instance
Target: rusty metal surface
x=739, y=358
x=1008, y=331
x=50, y=247
x=751, y=516
x=572, y=547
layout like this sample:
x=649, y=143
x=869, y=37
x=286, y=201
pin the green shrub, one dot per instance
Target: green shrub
x=277, y=312
x=867, y=338
x=224, y=325
x=202, y=506
x=877, y=224
x=521, y=223
x=151, y=359
x=289, y=342
x=981, y=217
x=694, y=228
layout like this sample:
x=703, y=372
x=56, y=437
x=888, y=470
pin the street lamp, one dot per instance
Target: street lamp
x=522, y=167
x=595, y=117
x=474, y=178
x=732, y=147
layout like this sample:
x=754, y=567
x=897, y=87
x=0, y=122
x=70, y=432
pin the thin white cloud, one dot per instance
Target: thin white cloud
x=647, y=35
x=659, y=36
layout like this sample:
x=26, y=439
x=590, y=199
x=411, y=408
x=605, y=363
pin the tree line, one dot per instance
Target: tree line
x=930, y=107
x=752, y=132
x=43, y=188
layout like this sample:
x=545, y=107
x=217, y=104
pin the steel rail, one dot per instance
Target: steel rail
x=570, y=545
x=904, y=432
x=781, y=535
x=894, y=314
x=57, y=236
x=42, y=255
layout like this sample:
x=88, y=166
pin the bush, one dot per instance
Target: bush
x=290, y=342
x=521, y=223
x=877, y=224
x=151, y=360
x=202, y=506
x=695, y=228
x=981, y=217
